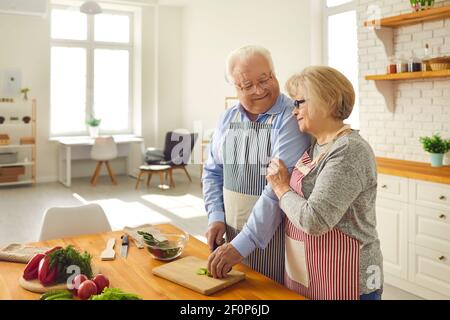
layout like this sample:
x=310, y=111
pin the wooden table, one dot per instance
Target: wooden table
x=134, y=274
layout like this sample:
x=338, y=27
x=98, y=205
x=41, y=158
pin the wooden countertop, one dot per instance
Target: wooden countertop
x=414, y=170
x=134, y=274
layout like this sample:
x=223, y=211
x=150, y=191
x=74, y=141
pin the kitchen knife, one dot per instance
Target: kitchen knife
x=124, y=248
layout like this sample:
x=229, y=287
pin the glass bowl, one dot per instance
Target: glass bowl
x=168, y=245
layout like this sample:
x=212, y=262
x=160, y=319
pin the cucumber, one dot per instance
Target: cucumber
x=60, y=296
x=56, y=294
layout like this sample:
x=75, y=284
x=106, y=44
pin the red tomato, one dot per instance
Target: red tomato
x=87, y=289
x=101, y=282
x=77, y=281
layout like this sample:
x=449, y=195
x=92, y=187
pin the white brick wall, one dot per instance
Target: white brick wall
x=422, y=107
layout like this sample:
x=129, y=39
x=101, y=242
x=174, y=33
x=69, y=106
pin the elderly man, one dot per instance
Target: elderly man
x=249, y=134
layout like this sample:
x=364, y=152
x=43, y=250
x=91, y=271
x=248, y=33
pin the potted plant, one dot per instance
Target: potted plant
x=25, y=91
x=418, y=5
x=437, y=147
x=93, y=124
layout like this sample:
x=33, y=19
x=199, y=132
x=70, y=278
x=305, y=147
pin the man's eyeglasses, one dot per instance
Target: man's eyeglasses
x=300, y=103
x=250, y=88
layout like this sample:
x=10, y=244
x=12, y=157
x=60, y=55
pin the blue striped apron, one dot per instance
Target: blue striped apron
x=246, y=154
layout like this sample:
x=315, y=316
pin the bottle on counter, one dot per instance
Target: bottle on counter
x=392, y=65
x=402, y=65
x=414, y=64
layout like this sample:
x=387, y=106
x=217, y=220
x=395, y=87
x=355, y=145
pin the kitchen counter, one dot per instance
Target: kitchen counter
x=414, y=170
x=134, y=274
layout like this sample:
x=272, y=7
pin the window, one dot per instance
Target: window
x=341, y=45
x=91, y=70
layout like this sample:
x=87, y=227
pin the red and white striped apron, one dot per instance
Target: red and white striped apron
x=324, y=267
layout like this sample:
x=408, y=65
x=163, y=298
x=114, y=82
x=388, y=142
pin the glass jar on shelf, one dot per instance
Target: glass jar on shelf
x=426, y=59
x=392, y=65
x=402, y=65
x=414, y=64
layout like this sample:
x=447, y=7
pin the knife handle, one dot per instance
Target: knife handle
x=125, y=239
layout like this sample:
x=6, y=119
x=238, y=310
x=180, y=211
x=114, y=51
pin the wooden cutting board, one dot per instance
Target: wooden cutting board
x=184, y=272
x=36, y=286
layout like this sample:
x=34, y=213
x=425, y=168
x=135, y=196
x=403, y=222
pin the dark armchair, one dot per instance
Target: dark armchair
x=177, y=151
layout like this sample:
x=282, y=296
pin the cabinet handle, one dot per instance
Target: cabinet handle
x=384, y=186
x=442, y=198
x=441, y=258
x=442, y=216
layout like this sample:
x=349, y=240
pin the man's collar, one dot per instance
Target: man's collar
x=275, y=109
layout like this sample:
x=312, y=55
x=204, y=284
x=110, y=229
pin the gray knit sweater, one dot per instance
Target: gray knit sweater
x=340, y=193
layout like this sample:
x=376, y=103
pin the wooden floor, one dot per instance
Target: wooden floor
x=22, y=208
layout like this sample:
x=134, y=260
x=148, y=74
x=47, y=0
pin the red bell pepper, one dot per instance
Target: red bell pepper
x=52, y=250
x=32, y=268
x=46, y=274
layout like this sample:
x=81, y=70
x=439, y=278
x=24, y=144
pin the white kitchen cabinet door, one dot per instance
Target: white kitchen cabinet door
x=429, y=194
x=430, y=269
x=430, y=228
x=394, y=188
x=393, y=233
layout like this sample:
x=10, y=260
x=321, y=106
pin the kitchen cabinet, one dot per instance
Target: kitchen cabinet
x=413, y=223
x=393, y=234
x=19, y=125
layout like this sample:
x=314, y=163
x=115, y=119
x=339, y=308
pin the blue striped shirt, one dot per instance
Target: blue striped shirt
x=288, y=144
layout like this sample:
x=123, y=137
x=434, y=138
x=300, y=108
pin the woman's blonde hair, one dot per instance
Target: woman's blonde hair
x=326, y=88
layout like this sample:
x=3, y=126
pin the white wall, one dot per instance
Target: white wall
x=169, y=73
x=422, y=106
x=25, y=45
x=211, y=29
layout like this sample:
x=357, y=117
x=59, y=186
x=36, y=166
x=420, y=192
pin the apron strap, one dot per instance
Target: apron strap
x=305, y=169
x=270, y=121
x=237, y=117
x=343, y=131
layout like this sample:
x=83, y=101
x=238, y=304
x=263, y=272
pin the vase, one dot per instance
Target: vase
x=26, y=119
x=437, y=159
x=93, y=132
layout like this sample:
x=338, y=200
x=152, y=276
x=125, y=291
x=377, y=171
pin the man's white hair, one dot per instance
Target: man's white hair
x=244, y=53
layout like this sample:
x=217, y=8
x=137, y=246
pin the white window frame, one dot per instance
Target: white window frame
x=90, y=45
x=330, y=11
x=352, y=5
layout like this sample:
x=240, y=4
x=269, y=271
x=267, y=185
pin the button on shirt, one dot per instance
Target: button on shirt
x=288, y=144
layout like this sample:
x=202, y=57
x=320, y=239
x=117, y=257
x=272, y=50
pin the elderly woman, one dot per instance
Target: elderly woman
x=332, y=246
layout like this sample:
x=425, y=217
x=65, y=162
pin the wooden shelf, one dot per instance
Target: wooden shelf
x=410, y=75
x=15, y=164
x=411, y=18
x=414, y=170
x=14, y=127
x=17, y=146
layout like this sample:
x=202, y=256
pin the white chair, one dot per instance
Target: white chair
x=103, y=150
x=62, y=222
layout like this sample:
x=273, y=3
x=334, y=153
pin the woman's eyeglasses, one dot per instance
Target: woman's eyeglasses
x=300, y=103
